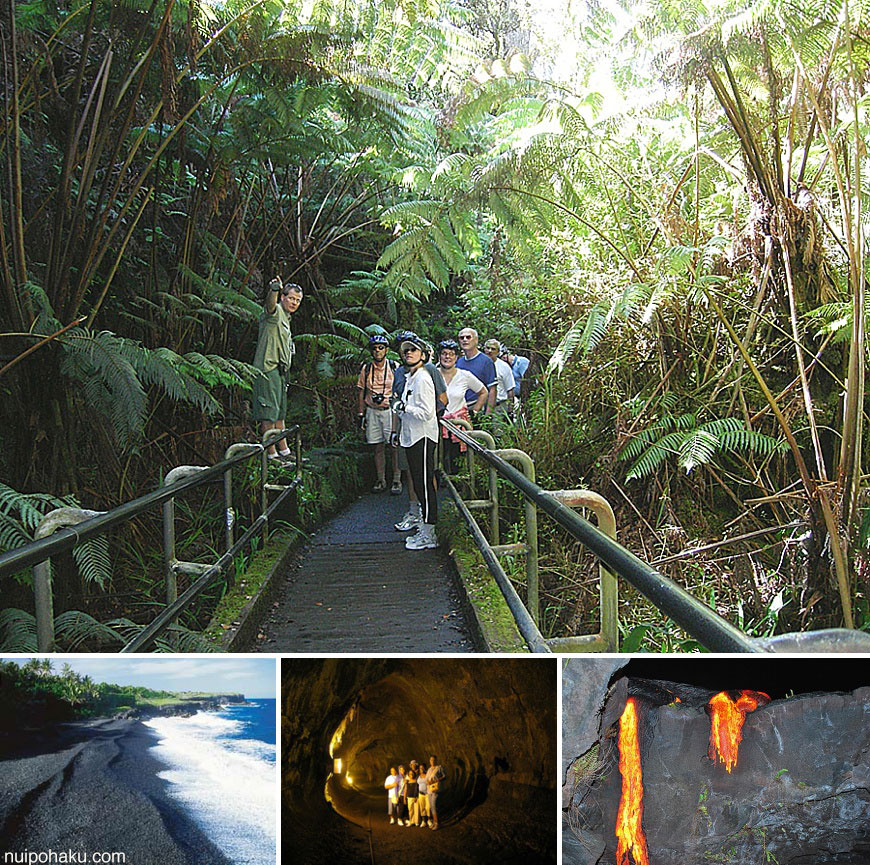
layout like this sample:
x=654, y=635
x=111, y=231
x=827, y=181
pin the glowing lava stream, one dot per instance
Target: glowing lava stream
x=629, y=830
x=726, y=728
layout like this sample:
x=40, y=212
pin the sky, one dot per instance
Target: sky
x=253, y=677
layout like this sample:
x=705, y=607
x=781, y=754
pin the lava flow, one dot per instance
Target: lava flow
x=726, y=729
x=629, y=830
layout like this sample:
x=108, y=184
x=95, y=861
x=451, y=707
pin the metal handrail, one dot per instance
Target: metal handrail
x=696, y=618
x=37, y=553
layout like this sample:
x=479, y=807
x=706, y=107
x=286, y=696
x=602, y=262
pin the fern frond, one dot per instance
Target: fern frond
x=17, y=631
x=655, y=455
x=697, y=449
x=93, y=560
x=73, y=628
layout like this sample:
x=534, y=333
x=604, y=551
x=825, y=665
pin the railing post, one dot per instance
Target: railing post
x=229, y=511
x=43, y=595
x=527, y=465
x=170, y=560
x=264, y=496
x=608, y=586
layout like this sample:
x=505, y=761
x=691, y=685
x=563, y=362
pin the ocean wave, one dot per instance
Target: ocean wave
x=227, y=784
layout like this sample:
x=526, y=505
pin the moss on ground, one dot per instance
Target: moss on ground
x=494, y=617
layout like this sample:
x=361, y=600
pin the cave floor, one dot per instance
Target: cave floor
x=353, y=587
x=486, y=835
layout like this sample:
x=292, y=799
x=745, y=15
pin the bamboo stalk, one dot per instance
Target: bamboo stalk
x=41, y=343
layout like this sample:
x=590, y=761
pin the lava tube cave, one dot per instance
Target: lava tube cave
x=491, y=723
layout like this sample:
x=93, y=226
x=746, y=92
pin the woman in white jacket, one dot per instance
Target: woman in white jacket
x=419, y=438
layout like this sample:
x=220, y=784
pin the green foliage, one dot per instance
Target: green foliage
x=693, y=443
x=20, y=515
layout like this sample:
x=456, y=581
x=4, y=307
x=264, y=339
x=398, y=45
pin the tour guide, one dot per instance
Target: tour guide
x=273, y=358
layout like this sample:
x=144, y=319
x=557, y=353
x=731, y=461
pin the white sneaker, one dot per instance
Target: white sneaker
x=424, y=539
x=392, y=819
x=408, y=522
x=401, y=823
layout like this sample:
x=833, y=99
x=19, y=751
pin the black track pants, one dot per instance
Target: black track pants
x=421, y=464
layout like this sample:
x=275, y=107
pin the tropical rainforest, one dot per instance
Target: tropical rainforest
x=35, y=691
x=661, y=205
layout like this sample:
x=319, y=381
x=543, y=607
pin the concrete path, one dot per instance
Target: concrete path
x=353, y=587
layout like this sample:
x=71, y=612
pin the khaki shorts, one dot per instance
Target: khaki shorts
x=270, y=397
x=379, y=422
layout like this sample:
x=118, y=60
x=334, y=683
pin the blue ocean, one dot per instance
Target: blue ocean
x=222, y=770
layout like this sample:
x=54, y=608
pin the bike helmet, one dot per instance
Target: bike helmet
x=378, y=339
x=452, y=344
x=403, y=336
x=414, y=340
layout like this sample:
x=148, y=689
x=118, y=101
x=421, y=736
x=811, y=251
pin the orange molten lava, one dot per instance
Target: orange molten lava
x=726, y=729
x=629, y=830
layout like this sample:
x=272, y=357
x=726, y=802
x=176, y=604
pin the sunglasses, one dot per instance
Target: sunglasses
x=378, y=347
x=465, y=337
x=412, y=348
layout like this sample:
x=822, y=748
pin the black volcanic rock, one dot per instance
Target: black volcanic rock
x=799, y=794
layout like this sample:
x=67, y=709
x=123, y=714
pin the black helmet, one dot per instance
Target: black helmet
x=378, y=339
x=414, y=340
x=452, y=344
x=404, y=336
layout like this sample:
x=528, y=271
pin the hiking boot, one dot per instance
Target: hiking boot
x=424, y=539
x=408, y=522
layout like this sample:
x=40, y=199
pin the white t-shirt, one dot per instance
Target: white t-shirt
x=462, y=381
x=392, y=792
x=418, y=419
x=504, y=380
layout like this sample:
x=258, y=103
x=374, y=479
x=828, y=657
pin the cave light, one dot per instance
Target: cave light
x=337, y=766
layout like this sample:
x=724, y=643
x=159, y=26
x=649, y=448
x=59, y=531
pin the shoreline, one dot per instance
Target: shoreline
x=92, y=787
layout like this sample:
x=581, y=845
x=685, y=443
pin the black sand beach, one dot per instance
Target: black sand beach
x=93, y=788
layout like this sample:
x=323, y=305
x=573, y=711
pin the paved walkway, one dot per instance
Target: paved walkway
x=355, y=588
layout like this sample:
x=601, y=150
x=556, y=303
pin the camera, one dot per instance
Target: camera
x=397, y=404
x=377, y=398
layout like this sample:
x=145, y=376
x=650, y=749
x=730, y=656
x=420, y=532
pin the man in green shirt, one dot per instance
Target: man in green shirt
x=273, y=357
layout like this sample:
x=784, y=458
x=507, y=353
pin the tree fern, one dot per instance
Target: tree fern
x=693, y=444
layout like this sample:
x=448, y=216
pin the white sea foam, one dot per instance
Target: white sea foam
x=228, y=785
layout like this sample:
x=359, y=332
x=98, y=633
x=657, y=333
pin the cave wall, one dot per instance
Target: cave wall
x=584, y=691
x=489, y=722
x=800, y=792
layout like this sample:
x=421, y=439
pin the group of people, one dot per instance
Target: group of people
x=399, y=404
x=412, y=795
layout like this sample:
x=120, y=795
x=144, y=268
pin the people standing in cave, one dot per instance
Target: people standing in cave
x=434, y=779
x=423, y=799
x=403, y=811
x=411, y=794
x=392, y=787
